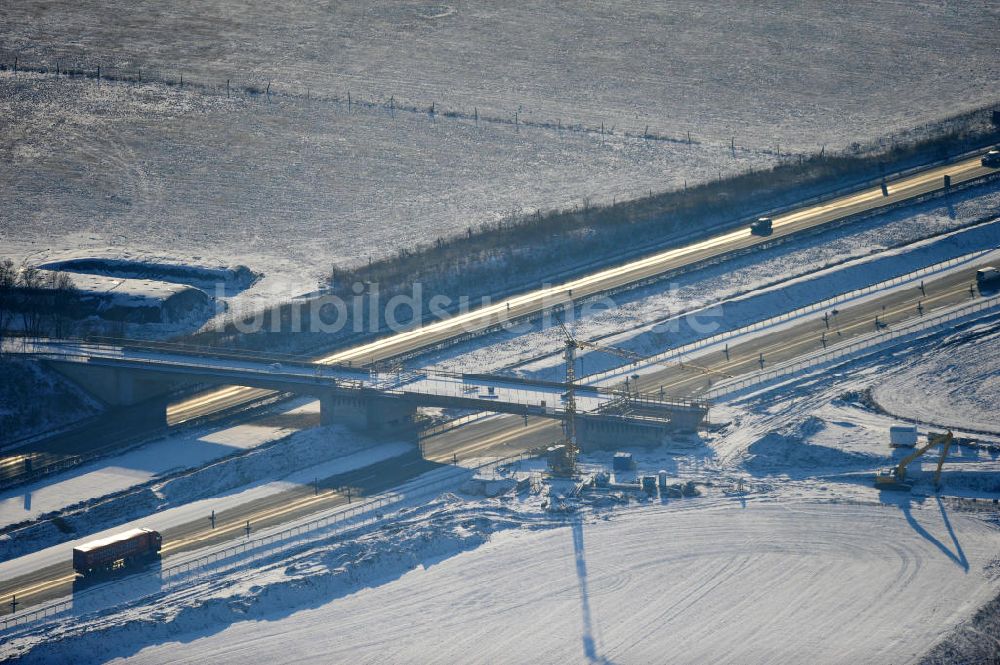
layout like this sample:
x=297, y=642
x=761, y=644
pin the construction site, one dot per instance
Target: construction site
x=420, y=332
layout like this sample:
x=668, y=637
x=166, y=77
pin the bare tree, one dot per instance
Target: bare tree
x=30, y=283
x=8, y=282
x=58, y=302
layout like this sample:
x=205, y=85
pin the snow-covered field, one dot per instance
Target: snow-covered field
x=291, y=183
x=795, y=582
x=800, y=73
x=289, y=187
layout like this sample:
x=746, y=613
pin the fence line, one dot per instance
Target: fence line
x=675, y=354
x=349, y=519
x=850, y=347
x=247, y=86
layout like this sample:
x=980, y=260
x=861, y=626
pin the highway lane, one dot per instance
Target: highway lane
x=506, y=435
x=611, y=278
x=497, y=435
x=494, y=437
x=807, y=336
x=227, y=399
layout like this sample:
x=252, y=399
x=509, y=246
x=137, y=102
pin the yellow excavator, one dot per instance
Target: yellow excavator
x=894, y=477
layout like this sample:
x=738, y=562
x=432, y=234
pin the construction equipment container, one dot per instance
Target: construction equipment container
x=623, y=462
x=903, y=436
x=648, y=484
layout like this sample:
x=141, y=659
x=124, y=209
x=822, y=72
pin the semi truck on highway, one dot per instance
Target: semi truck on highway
x=992, y=158
x=117, y=552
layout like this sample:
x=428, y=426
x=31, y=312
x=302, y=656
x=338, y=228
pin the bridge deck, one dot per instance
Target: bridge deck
x=424, y=388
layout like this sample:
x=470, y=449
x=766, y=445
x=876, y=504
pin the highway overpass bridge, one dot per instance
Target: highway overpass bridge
x=366, y=399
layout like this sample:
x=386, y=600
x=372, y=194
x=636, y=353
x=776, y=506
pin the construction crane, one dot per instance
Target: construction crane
x=563, y=462
x=615, y=351
x=894, y=478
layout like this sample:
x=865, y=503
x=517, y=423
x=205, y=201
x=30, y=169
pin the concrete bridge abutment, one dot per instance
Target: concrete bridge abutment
x=133, y=395
x=118, y=387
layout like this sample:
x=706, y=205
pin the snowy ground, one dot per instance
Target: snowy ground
x=189, y=177
x=679, y=583
x=806, y=562
x=948, y=389
x=800, y=73
x=292, y=183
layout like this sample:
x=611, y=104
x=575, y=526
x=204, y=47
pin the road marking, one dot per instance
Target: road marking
x=39, y=587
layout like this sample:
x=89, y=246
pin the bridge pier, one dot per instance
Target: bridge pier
x=687, y=418
x=369, y=413
x=151, y=413
x=117, y=387
x=610, y=432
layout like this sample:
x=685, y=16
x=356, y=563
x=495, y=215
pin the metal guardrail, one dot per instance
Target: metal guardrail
x=675, y=355
x=850, y=347
x=453, y=423
x=344, y=520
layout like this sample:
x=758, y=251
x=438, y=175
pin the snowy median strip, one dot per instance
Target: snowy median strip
x=788, y=318
x=849, y=347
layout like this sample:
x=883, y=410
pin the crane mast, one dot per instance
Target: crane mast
x=565, y=463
